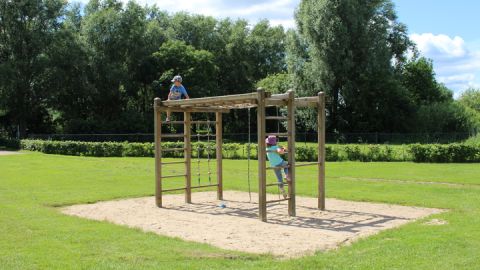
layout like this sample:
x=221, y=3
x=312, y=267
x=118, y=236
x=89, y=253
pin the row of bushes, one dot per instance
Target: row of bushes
x=456, y=152
x=444, y=153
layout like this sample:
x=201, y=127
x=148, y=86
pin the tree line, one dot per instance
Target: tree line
x=95, y=68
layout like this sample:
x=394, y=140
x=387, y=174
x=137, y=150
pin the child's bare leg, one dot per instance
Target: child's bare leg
x=168, y=115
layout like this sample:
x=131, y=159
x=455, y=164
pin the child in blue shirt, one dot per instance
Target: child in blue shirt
x=274, y=153
x=176, y=92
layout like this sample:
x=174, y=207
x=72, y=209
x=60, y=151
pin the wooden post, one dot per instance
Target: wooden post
x=291, y=151
x=262, y=172
x=219, y=139
x=158, y=152
x=187, y=129
x=321, y=150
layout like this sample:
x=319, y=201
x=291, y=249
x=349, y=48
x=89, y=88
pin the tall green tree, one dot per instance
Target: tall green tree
x=27, y=29
x=352, y=49
x=471, y=99
x=418, y=77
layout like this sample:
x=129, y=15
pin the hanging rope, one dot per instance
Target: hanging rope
x=248, y=156
x=208, y=151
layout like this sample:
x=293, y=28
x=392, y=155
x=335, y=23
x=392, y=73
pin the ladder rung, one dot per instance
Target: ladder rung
x=276, y=184
x=172, y=149
x=306, y=164
x=173, y=135
x=276, y=118
x=173, y=176
x=280, y=200
x=173, y=162
x=173, y=189
x=173, y=122
x=203, y=135
x=278, y=134
x=277, y=167
x=204, y=122
x=204, y=186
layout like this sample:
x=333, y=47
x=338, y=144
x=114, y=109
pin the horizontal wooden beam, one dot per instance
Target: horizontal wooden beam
x=276, y=184
x=282, y=118
x=306, y=102
x=193, y=109
x=279, y=96
x=173, y=189
x=204, y=186
x=174, y=176
x=173, y=135
x=173, y=162
x=306, y=164
x=275, y=102
x=278, y=134
x=172, y=149
x=280, y=200
x=209, y=100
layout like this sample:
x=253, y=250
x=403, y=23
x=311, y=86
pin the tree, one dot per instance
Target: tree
x=276, y=83
x=197, y=67
x=27, y=29
x=419, y=79
x=446, y=117
x=346, y=48
x=471, y=99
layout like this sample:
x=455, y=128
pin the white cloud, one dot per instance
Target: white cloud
x=455, y=64
x=279, y=12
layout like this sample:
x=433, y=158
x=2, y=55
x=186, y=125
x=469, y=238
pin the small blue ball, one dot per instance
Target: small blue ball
x=222, y=205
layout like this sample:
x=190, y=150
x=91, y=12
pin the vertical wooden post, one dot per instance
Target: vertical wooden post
x=158, y=152
x=262, y=172
x=187, y=129
x=321, y=150
x=291, y=151
x=218, y=142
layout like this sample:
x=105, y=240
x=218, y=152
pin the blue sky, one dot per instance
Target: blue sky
x=444, y=30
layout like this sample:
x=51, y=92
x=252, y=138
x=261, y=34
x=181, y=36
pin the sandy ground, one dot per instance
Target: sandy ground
x=237, y=227
x=6, y=153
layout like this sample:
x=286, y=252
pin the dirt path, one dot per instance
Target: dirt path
x=236, y=227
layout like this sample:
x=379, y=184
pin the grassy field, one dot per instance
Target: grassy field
x=34, y=235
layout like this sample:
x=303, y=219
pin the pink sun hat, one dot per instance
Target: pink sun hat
x=271, y=140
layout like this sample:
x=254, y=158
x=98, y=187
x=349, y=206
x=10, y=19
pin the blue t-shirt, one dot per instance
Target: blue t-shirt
x=273, y=156
x=176, y=92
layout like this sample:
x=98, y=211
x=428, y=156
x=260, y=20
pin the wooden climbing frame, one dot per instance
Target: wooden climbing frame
x=223, y=104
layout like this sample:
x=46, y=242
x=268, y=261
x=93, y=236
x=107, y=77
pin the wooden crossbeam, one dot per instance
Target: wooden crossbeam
x=173, y=189
x=279, y=200
x=173, y=176
x=172, y=149
x=307, y=164
x=306, y=102
x=173, y=162
x=204, y=186
x=210, y=100
x=173, y=135
x=276, y=184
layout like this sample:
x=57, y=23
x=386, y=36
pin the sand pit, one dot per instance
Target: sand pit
x=237, y=227
x=7, y=153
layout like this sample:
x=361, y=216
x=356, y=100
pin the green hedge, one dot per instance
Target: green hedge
x=444, y=153
x=334, y=152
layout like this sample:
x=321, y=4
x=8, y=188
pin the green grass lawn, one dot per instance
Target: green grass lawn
x=34, y=235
